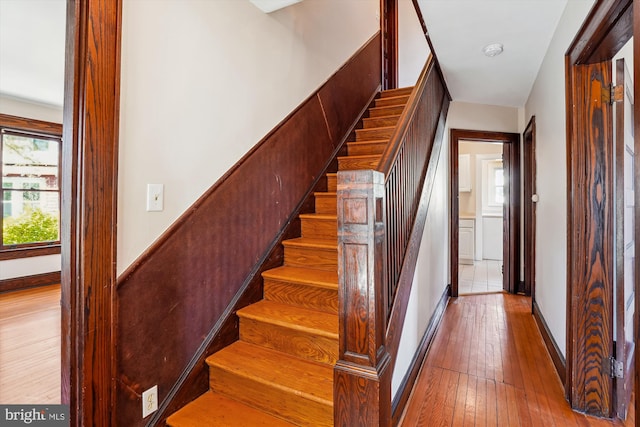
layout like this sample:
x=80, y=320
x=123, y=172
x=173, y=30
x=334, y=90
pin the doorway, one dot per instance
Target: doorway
x=480, y=202
x=500, y=169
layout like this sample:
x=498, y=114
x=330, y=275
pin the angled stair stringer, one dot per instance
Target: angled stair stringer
x=280, y=372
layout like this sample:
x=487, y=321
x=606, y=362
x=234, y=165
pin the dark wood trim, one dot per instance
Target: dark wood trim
x=409, y=381
x=25, y=282
x=30, y=125
x=389, y=46
x=511, y=150
x=590, y=289
x=552, y=347
x=89, y=194
x=607, y=28
x=529, y=208
x=8, y=254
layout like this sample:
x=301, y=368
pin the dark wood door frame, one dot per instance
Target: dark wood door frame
x=590, y=199
x=88, y=234
x=511, y=150
x=389, y=31
x=529, y=207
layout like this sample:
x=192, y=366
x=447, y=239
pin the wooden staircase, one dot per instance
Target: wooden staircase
x=280, y=372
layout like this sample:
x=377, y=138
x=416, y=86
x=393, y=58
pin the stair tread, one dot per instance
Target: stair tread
x=391, y=116
x=360, y=156
x=213, y=409
x=311, y=276
x=310, y=321
x=376, y=128
x=372, y=141
x=313, y=243
x=325, y=193
x=393, y=92
x=327, y=217
x=311, y=380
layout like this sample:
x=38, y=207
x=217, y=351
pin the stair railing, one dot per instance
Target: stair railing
x=377, y=253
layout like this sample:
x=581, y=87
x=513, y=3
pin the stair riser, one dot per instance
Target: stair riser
x=332, y=183
x=380, y=122
x=355, y=163
x=396, y=100
x=396, y=92
x=320, y=229
x=322, y=259
x=294, y=342
x=366, y=149
x=386, y=111
x=326, y=204
x=300, y=295
x=373, y=134
x=271, y=399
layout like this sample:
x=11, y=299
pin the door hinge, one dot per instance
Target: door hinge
x=611, y=93
x=613, y=368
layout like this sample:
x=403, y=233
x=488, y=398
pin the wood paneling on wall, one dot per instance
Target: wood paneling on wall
x=177, y=301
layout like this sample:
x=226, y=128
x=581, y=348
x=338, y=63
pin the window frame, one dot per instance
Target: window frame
x=14, y=124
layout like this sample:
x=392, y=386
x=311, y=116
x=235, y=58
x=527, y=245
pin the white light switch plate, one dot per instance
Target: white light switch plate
x=155, y=197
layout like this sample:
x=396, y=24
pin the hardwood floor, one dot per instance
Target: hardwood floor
x=488, y=367
x=30, y=346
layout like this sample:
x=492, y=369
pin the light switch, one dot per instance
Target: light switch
x=155, y=197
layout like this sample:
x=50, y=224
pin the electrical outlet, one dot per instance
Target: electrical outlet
x=155, y=197
x=149, y=401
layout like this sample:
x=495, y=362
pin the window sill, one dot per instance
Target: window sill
x=18, y=253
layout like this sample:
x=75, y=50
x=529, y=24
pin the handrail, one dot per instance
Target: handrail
x=381, y=215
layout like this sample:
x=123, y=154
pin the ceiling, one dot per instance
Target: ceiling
x=32, y=47
x=459, y=29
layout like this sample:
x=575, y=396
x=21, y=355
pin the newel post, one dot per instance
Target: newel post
x=362, y=378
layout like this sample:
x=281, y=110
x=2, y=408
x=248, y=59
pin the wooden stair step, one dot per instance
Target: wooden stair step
x=285, y=386
x=358, y=162
x=392, y=100
x=303, y=287
x=332, y=182
x=326, y=202
x=319, y=226
x=366, y=148
x=301, y=332
x=374, y=122
x=374, y=133
x=312, y=253
x=396, y=92
x=215, y=410
x=391, y=110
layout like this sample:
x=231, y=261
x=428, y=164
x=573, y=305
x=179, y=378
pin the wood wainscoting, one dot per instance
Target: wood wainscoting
x=25, y=282
x=176, y=304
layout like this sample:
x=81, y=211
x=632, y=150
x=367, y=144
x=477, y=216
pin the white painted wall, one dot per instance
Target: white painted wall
x=413, y=49
x=10, y=269
x=204, y=81
x=431, y=276
x=547, y=103
x=463, y=115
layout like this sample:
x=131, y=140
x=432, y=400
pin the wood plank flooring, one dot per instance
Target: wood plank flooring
x=488, y=367
x=30, y=346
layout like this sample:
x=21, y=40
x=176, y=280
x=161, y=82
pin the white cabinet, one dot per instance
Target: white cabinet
x=464, y=172
x=466, y=241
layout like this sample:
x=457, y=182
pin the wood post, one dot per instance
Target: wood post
x=362, y=395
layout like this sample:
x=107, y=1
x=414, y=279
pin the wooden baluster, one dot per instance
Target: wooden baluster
x=362, y=378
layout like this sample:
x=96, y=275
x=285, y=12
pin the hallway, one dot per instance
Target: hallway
x=488, y=366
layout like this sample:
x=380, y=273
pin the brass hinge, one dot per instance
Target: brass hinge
x=611, y=94
x=613, y=368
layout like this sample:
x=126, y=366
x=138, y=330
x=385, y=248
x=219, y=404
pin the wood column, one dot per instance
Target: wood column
x=89, y=195
x=362, y=390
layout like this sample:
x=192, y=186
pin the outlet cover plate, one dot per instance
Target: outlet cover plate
x=149, y=401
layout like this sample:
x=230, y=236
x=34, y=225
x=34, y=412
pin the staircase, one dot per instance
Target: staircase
x=280, y=372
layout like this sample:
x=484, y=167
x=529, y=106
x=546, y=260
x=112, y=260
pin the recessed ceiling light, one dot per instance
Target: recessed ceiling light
x=493, y=49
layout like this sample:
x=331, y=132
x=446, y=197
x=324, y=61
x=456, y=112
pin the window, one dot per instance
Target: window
x=30, y=154
x=493, y=187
